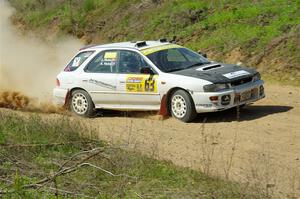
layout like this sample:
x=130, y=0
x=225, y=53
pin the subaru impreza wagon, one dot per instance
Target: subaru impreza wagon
x=153, y=75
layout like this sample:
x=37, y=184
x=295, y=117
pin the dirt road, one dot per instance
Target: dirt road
x=263, y=147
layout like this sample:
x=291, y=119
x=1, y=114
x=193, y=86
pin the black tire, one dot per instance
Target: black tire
x=81, y=104
x=182, y=106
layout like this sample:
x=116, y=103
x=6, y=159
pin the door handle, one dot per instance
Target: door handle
x=122, y=82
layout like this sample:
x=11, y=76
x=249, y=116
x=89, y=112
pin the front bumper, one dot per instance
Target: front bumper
x=239, y=95
x=59, y=96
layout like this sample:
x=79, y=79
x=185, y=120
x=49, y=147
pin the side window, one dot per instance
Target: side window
x=78, y=60
x=104, y=62
x=131, y=62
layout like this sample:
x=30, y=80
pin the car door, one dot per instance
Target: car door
x=136, y=85
x=99, y=78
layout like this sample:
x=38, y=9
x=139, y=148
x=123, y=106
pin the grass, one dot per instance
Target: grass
x=33, y=147
x=234, y=22
x=213, y=26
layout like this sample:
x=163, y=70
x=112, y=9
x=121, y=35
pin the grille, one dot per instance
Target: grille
x=241, y=81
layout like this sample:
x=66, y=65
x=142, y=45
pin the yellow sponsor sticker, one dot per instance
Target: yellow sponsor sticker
x=141, y=83
x=110, y=55
x=148, y=51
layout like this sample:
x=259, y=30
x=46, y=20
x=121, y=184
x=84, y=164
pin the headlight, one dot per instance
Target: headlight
x=215, y=87
x=256, y=77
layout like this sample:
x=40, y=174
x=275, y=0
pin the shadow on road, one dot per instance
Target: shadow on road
x=245, y=114
x=132, y=114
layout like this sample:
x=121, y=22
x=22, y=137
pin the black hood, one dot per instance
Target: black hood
x=214, y=72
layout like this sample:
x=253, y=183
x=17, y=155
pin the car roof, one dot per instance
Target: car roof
x=132, y=45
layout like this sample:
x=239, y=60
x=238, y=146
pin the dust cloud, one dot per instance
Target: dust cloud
x=27, y=63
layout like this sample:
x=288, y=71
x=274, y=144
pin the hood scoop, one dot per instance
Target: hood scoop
x=218, y=73
x=209, y=67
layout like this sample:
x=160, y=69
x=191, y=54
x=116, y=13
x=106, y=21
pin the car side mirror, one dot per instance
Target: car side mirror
x=147, y=70
x=203, y=54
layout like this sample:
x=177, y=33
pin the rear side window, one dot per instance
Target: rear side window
x=78, y=60
x=104, y=62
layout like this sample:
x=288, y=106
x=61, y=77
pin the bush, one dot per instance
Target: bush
x=89, y=5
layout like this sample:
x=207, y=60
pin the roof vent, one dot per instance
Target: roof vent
x=163, y=40
x=141, y=44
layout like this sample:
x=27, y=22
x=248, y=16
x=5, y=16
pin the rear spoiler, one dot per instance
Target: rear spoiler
x=88, y=46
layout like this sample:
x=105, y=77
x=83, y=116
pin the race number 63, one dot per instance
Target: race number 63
x=150, y=85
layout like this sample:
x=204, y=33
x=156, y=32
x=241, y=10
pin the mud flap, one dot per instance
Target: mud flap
x=163, y=111
x=67, y=100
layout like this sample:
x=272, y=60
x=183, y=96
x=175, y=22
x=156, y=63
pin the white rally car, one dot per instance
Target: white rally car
x=153, y=75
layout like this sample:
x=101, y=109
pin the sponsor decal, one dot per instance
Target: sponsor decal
x=236, y=74
x=159, y=48
x=108, y=62
x=141, y=83
x=134, y=79
x=109, y=59
x=100, y=83
x=76, y=62
x=110, y=55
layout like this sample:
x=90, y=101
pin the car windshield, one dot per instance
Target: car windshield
x=175, y=59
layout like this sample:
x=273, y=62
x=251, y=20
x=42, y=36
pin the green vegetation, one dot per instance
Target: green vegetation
x=34, y=148
x=259, y=29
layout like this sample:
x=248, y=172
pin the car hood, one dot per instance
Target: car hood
x=218, y=72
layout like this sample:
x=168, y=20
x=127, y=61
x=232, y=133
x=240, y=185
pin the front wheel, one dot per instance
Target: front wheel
x=81, y=103
x=182, y=106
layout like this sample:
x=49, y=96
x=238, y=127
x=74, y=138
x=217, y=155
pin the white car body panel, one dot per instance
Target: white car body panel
x=203, y=104
x=136, y=98
x=106, y=94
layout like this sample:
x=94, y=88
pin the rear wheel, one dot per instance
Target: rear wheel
x=182, y=106
x=81, y=103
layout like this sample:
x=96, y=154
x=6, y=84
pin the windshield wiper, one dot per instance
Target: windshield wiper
x=175, y=69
